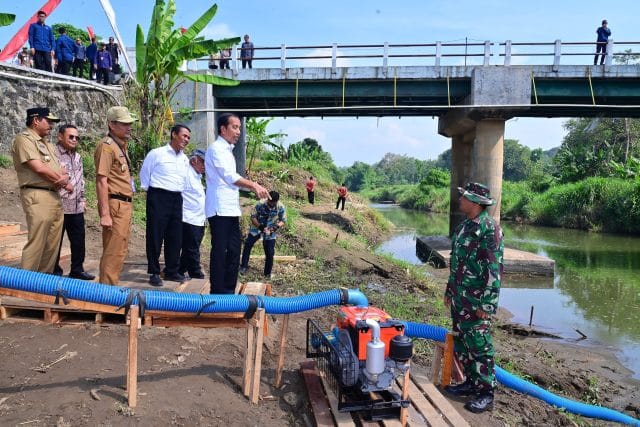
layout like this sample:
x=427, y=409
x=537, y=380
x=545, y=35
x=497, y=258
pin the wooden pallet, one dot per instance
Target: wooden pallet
x=428, y=406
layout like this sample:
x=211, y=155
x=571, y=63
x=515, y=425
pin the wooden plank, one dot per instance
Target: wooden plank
x=424, y=407
x=447, y=362
x=9, y=228
x=276, y=258
x=257, y=360
x=283, y=343
x=254, y=288
x=443, y=405
x=248, y=356
x=319, y=406
x=132, y=357
x=342, y=419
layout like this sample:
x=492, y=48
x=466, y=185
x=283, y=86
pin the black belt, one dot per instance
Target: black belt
x=119, y=197
x=35, y=187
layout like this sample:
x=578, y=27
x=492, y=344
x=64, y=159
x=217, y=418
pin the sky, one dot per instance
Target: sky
x=300, y=22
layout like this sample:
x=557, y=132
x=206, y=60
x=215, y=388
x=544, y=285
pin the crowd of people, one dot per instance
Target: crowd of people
x=52, y=191
x=63, y=55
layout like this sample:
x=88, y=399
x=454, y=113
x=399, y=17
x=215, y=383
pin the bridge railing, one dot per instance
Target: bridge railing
x=506, y=53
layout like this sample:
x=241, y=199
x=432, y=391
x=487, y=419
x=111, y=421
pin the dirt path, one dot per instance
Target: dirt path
x=192, y=376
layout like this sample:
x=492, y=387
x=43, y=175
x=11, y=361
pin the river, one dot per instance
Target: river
x=595, y=289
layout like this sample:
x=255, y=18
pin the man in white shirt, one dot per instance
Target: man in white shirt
x=193, y=217
x=163, y=176
x=222, y=205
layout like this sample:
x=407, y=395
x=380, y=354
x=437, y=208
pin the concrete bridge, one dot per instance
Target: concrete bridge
x=472, y=101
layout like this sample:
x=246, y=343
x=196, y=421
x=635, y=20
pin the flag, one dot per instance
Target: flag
x=90, y=32
x=17, y=41
x=111, y=16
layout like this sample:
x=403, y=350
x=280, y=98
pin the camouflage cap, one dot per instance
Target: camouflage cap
x=477, y=193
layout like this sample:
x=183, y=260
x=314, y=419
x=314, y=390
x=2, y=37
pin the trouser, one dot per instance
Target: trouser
x=43, y=211
x=74, y=227
x=164, y=224
x=42, y=60
x=78, y=68
x=600, y=47
x=269, y=246
x=311, y=195
x=63, y=67
x=115, y=242
x=224, y=63
x=225, y=253
x=341, y=199
x=192, y=236
x=473, y=347
x=246, y=62
x=102, y=74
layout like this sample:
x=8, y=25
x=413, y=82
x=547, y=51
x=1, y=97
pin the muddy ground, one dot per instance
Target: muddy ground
x=73, y=374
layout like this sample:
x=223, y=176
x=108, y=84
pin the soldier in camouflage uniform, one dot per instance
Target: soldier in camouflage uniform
x=472, y=293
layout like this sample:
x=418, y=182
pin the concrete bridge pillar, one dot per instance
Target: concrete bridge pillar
x=461, y=173
x=488, y=159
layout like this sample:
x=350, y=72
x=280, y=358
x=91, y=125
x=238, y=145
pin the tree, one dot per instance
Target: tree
x=257, y=137
x=516, y=161
x=360, y=175
x=626, y=58
x=73, y=32
x=444, y=160
x=6, y=19
x=158, y=61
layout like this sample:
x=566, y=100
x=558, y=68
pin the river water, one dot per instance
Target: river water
x=595, y=289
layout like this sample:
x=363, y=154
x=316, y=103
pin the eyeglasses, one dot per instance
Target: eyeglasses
x=74, y=137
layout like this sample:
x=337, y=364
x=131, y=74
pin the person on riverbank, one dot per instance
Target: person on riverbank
x=472, y=294
x=267, y=218
x=222, y=205
x=114, y=190
x=310, y=186
x=193, y=217
x=601, y=44
x=163, y=176
x=73, y=202
x=40, y=176
x=342, y=195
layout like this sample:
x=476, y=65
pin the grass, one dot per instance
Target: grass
x=5, y=161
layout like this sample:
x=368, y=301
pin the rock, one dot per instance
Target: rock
x=292, y=399
x=377, y=287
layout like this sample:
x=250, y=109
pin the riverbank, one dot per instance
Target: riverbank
x=190, y=376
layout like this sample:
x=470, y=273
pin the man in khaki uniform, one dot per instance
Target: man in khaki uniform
x=114, y=188
x=40, y=176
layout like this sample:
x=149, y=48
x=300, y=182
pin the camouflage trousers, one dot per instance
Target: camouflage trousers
x=474, y=349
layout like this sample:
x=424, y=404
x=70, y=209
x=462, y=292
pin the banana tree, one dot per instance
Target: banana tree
x=159, y=58
x=6, y=19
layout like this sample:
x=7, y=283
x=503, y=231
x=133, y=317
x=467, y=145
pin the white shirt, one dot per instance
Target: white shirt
x=193, y=199
x=223, y=197
x=164, y=168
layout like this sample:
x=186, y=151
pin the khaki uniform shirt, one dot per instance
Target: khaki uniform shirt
x=28, y=145
x=112, y=161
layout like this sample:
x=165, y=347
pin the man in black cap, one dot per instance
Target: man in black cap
x=40, y=176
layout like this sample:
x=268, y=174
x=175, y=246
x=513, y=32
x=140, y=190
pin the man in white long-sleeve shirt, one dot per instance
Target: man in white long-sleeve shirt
x=222, y=205
x=193, y=217
x=163, y=176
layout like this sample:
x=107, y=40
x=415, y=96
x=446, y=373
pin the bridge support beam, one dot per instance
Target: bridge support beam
x=488, y=159
x=461, y=173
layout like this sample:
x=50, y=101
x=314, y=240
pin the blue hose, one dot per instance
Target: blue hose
x=438, y=333
x=30, y=281
x=98, y=293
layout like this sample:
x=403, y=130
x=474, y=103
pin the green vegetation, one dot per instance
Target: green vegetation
x=6, y=19
x=158, y=75
x=5, y=161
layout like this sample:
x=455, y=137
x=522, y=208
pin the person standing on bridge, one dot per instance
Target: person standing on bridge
x=472, y=294
x=246, y=52
x=42, y=43
x=601, y=45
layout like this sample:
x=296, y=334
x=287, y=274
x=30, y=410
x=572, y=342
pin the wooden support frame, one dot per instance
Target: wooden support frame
x=253, y=356
x=132, y=357
x=443, y=361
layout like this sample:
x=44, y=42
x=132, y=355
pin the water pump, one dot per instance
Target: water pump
x=361, y=357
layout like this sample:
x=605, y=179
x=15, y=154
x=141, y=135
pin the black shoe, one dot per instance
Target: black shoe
x=464, y=389
x=482, y=402
x=176, y=277
x=155, y=280
x=83, y=275
x=242, y=270
x=197, y=275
